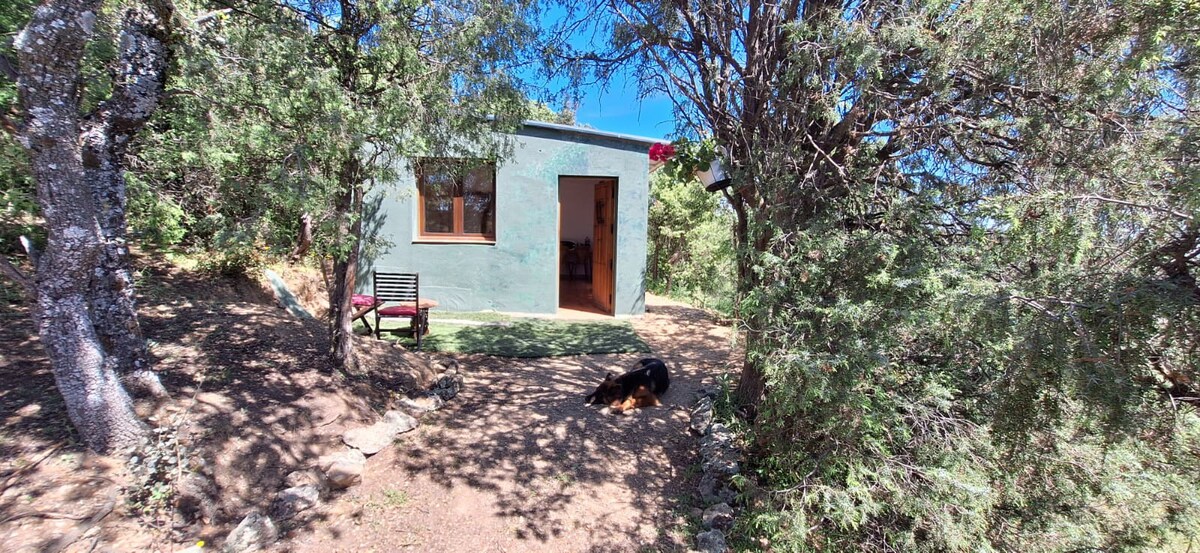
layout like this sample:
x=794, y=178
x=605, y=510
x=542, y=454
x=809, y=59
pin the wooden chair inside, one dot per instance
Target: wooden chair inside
x=403, y=291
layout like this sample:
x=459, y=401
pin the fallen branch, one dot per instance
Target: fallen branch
x=18, y=472
x=79, y=530
x=30, y=513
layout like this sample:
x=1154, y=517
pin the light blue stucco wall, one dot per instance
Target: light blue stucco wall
x=519, y=273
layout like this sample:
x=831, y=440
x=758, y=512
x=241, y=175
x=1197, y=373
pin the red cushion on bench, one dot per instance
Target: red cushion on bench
x=362, y=300
x=398, y=311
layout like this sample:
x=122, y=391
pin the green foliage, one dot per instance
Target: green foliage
x=236, y=252
x=968, y=265
x=258, y=134
x=542, y=112
x=691, y=156
x=18, y=197
x=691, y=243
x=154, y=218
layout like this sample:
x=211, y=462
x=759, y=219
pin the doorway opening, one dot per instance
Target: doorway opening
x=586, y=254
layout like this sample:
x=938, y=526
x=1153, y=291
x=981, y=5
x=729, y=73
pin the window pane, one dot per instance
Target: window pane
x=479, y=201
x=437, y=196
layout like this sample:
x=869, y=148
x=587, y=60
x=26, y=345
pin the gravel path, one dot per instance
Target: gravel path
x=517, y=462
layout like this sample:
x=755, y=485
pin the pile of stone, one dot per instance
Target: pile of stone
x=720, y=462
x=342, y=469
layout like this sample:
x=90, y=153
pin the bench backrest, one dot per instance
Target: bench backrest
x=395, y=286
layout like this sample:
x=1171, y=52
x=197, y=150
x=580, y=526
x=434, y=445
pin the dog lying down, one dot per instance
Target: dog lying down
x=640, y=387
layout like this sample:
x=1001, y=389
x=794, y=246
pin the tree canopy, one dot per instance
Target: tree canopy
x=967, y=243
x=965, y=234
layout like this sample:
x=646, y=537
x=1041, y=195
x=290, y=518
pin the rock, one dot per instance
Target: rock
x=255, y=532
x=721, y=463
x=706, y=392
x=370, y=439
x=714, y=490
x=712, y=541
x=702, y=416
x=423, y=404
x=716, y=442
x=400, y=422
x=295, y=500
x=447, y=365
x=448, y=384
x=195, y=497
x=344, y=469
x=719, y=516
x=307, y=477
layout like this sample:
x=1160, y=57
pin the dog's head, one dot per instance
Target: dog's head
x=607, y=392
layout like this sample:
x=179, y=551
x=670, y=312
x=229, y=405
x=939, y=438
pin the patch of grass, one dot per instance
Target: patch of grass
x=481, y=316
x=392, y=499
x=524, y=338
x=395, y=498
x=188, y=261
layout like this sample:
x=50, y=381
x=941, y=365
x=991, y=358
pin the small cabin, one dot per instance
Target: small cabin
x=556, y=228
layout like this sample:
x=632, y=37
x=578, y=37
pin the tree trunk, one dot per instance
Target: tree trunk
x=50, y=50
x=656, y=260
x=304, y=240
x=348, y=211
x=106, y=134
x=752, y=384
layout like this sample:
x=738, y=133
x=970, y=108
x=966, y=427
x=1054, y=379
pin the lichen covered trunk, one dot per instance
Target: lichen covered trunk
x=86, y=375
x=50, y=49
x=345, y=267
x=105, y=136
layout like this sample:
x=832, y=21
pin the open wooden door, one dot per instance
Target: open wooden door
x=604, y=246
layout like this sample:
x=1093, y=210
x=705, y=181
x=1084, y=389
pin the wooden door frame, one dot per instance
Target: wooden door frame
x=611, y=272
x=596, y=179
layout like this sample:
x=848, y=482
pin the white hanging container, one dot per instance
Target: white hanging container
x=715, y=178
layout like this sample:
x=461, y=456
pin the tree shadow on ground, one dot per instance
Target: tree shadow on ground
x=524, y=435
x=252, y=385
x=525, y=338
x=521, y=433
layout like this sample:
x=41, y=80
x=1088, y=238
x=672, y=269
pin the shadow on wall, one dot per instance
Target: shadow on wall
x=639, y=301
x=374, y=244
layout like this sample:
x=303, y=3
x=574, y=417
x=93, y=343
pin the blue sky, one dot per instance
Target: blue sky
x=616, y=106
x=618, y=109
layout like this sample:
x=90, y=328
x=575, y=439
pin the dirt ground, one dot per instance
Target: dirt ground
x=516, y=462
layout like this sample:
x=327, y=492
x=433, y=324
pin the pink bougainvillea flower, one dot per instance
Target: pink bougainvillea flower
x=661, y=152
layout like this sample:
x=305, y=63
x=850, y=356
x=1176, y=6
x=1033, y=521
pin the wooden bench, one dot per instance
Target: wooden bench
x=402, y=290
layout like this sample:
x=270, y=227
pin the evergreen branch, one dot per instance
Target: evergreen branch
x=1128, y=203
x=209, y=16
x=232, y=108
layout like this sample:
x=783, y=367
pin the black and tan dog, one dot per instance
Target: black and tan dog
x=640, y=387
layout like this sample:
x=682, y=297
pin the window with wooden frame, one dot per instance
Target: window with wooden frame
x=457, y=199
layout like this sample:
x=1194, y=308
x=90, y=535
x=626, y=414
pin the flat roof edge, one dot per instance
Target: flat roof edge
x=591, y=132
